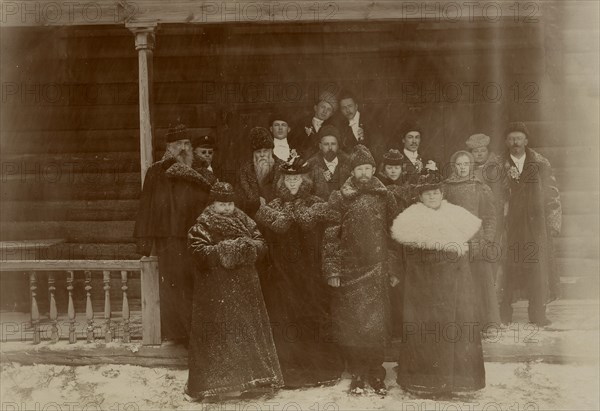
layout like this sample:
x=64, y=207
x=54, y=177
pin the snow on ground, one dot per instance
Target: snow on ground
x=510, y=386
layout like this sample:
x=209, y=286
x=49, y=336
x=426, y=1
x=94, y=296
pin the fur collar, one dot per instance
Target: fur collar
x=229, y=226
x=350, y=190
x=448, y=228
x=284, y=194
x=181, y=171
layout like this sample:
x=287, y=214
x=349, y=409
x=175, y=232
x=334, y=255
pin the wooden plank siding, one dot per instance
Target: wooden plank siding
x=73, y=98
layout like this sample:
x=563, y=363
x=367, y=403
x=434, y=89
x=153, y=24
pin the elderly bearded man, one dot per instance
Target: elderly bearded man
x=257, y=176
x=173, y=196
x=356, y=252
x=533, y=217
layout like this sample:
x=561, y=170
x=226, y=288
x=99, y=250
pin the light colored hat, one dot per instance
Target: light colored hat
x=478, y=140
x=330, y=98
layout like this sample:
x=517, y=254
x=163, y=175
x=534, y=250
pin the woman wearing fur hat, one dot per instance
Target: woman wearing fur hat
x=390, y=174
x=297, y=298
x=463, y=189
x=231, y=345
x=441, y=350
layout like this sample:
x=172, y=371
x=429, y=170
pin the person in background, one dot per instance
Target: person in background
x=204, y=149
x=280, y=129
x=355, y=126
x=305, y=136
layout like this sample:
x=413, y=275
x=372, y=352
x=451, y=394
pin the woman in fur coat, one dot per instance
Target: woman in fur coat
x=464, y=189
x=297, y=297
x=231, y=345
x=441, y=349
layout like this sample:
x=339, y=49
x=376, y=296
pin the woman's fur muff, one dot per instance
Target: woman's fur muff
x=422, y=227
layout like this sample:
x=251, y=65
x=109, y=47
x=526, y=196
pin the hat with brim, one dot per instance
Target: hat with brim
x=432, y=180
x=205, y=140
x=294, y=165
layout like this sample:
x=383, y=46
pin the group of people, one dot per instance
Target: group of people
x=327, y=245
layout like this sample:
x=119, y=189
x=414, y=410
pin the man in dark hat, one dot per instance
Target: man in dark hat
x=280, y=130
x=356, y=127
x=173, y=196
x=305, y=133
x=257, y=176
x=203, y=146
x=330, y=168
x=533, y=216
x=413, y=162
x=356, y=252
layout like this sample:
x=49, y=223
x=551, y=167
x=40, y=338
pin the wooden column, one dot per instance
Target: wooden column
x=144, y=44
x=150, y=301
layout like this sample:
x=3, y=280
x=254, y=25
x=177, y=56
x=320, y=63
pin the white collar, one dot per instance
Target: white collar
x=282, y=142
x=317, y=121
x=412, y=155
x=332, y=162
x=355, y=119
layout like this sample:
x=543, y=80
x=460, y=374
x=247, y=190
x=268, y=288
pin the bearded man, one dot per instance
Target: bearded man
x=357, y=251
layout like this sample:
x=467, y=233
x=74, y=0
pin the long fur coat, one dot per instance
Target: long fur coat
x=231, y=344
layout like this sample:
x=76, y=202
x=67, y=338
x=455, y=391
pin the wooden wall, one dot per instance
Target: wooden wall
x=70, y=164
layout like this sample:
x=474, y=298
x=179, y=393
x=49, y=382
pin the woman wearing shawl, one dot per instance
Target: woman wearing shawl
x=441, y=347
x=464, y=189
x=231, y=346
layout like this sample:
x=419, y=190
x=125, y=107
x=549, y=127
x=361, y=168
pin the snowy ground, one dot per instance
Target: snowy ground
x=510, y=386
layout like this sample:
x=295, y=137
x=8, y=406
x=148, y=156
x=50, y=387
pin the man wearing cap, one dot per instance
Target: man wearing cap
x=173, y=196
x=330, y=168
x=533, y=216
x=304, y=137
x=280, y=130
x=356, y=252
x=355, y=127
x=257, y=176
x=413, y=162
x=204, y=148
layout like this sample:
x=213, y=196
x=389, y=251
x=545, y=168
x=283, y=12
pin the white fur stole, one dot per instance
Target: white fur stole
x=423, y=227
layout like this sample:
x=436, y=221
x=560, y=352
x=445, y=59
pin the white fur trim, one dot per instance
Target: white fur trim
x=426, y=228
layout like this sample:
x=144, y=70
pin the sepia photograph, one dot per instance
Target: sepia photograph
x=304, y=205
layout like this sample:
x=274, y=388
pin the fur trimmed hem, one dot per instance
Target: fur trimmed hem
x=272, y=382
x=422, y=227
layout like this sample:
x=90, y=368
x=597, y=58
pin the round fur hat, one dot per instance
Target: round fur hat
x=221, y=191
x=477, y=140
x=329, y=130
x=392, y=158
x=260, y=138
x=278, y=116
x=177, y=132
x=516, y=126
x=361, y=155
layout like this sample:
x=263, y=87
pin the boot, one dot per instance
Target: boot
x=357, y=385
x=378, y=386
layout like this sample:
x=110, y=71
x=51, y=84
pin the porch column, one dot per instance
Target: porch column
x=144, y=44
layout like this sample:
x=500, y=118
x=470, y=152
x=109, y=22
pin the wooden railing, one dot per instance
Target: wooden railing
x=148, y=268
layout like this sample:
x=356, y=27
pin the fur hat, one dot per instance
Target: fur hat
x=329, y=97
x=477, y=140
x=221, y=191
x=516, y=126
x=392, y=158
x=260, y=138
x=294, y=165
x=430, y=180
x=177, y=132
x=361, y=155
x=329, y=130
x=408, y=126
x=207, y=140
x=278, y=116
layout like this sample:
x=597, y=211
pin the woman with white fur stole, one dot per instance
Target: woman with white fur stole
x=441, y=345
x=297, y=298
x=231, y=346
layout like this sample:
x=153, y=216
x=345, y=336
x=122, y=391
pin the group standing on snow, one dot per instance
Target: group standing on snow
x=336, y=238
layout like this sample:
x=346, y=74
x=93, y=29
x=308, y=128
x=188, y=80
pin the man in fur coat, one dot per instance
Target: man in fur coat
x=355, y=257
x=304, y=137
x=257, y=176
x=330, y=168
x=533, y=217
x=173, y=196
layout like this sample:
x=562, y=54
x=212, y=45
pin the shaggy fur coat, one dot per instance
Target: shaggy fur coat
x=231, y=344
x=295, y=292
x=441, y=350
x=357, y=249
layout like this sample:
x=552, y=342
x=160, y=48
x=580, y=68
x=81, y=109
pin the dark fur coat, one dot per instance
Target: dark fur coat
x=231, y=345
